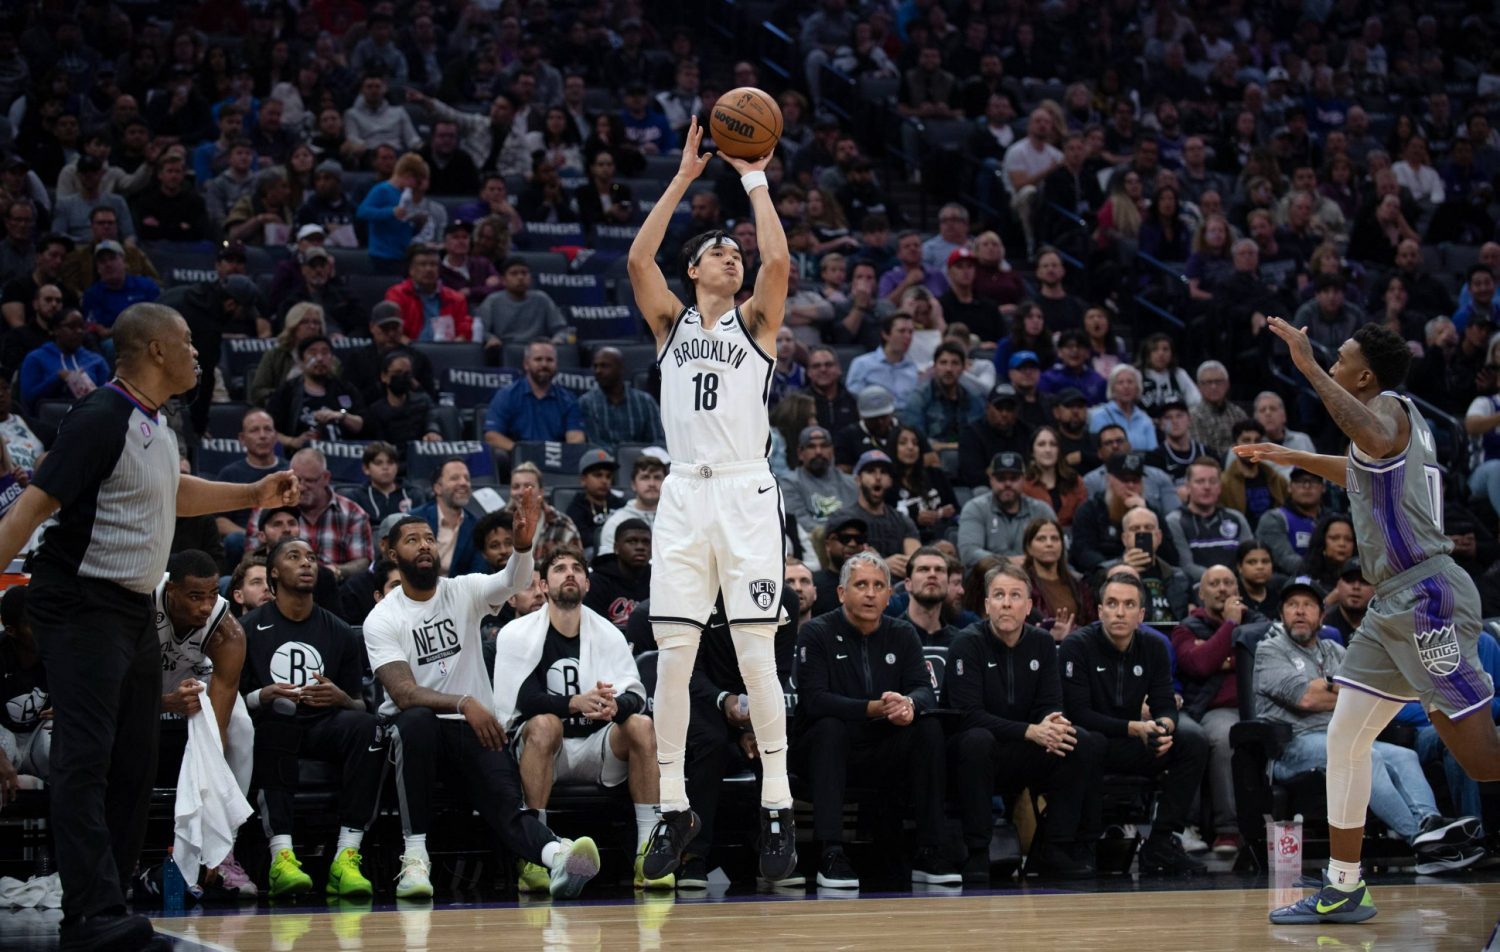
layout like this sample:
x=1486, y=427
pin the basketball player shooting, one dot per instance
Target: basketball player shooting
x=1418, y=637
x=719, y=521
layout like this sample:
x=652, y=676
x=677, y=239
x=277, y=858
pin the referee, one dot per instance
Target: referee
x=112, y=478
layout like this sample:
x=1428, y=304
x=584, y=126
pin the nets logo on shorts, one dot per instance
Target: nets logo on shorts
x=763, y=591
x=1439, y=650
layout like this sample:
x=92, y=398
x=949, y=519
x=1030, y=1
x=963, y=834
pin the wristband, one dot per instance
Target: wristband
x=459, y=707
x=753, y=181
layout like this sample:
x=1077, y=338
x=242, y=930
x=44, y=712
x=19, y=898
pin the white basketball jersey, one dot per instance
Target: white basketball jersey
x=183, y=658
x=715, y=386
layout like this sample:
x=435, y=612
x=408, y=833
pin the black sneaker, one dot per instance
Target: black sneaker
x=1163, y=853
x=147, y=886
x=976, y=871
x=118, y=931
x=778, y=844
x=1434, y=858
x=1055, y=861
x=693, y=873
x=671, y=835
x=835, y=872
x=1441, y=829
x=930, y=866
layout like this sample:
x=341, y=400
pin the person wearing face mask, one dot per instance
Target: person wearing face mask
x=405, y=412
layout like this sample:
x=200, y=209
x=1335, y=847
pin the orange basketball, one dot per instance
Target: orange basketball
x=746, y=122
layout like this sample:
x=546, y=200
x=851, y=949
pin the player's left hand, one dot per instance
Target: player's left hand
x=277, y=489
x=693, y=161
x=527, y=509
x=744, y=166
x=323, y=693
x=1296, y=341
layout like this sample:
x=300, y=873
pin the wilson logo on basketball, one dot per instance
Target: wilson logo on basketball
x=736, y=126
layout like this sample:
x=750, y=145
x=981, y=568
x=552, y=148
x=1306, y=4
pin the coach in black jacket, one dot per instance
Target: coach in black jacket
x=1002, y=677
x=862, y=686
x=1108, y=669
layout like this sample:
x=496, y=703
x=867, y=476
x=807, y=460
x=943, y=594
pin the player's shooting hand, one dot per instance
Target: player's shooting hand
x=324, y=693
x=184, y=700
x=694, y=161
x=1296, y=341
x=277, y=489
x=526, y=509
x=746, y=166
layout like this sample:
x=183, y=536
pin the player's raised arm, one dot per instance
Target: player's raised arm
x=657, y=302
x=764, y=311
x=1378, y=427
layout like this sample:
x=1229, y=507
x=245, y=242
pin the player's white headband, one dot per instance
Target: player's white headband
x=711, y=242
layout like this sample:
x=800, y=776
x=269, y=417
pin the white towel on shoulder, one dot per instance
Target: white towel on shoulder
x=603, y=655
x=210, y=806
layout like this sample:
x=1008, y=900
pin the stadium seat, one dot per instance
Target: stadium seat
x=549, y=262
x=557, y=461
x=238, y=358
x=369, y=290
x=594, y=323
x=614, y=237
x=215, y=453
x=457, y=355
x=514, y=355
x=224, y=418
x=183, y=263
x=544, y=236
x=561, y=497
x=345, y=460
x=351, y=261
x=50, y=412
x=423, y=458
x=448, y=422
x=570, y=289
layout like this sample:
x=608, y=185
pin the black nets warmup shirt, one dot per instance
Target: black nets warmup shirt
x=114, y=470
x=281, y=651
x=556, y=679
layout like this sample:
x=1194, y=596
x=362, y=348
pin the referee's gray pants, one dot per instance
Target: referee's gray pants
x=103, y=666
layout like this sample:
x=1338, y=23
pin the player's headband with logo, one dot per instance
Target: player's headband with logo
x=711, y=242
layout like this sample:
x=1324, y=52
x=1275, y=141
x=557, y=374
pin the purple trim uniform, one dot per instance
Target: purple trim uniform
x=1418, y=638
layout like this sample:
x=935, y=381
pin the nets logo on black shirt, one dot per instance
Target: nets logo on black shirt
x=295, y=662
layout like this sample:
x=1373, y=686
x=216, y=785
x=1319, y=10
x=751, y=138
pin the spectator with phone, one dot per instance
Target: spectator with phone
x=1167, y=585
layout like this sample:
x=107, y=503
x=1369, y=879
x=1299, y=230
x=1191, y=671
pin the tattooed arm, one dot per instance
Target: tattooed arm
x=1380, y=428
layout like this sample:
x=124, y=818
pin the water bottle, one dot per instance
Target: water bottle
x=173, y=886
x=744, y=704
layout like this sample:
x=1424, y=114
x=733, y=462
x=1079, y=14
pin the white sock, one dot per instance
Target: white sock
x=1344, y=877
x=542, y=816
x=646, y=815
x=754, y=646
x=549, y=853
x=278, y=843
x=349, y=838
x=416, y=846
x=674, y=669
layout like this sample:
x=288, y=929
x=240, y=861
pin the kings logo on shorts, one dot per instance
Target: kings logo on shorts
x=1439, y=650
x=763, y=590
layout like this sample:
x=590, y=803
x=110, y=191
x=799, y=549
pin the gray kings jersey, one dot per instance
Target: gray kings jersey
x=1397, y=504
x=715, y=386
x=183, y=657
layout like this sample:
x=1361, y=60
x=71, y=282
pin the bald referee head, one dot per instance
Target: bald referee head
x=154, y=351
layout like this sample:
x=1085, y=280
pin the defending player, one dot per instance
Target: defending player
x=719, y=521
x=1417, y=640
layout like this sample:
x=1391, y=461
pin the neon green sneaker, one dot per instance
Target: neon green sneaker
x=1327, y=905
x=532, y=878
x=577, y=863
x=344, y=877
x=669, y=881
x=287, y=877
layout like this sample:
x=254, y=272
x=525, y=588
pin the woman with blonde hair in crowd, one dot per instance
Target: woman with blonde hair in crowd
x=993, y=276
x=830, y=227
x=280, y=363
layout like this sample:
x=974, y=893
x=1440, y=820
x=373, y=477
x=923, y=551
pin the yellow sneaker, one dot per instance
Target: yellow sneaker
x=532, y=878
x=344, y=877
x=287, y=877
x=668, y=881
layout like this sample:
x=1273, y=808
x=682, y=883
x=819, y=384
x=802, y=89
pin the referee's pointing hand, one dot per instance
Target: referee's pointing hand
x=277, y=489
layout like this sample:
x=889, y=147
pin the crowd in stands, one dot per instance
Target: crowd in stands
x=1003, y=426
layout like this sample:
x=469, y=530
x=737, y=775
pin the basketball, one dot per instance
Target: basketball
x=746, y=123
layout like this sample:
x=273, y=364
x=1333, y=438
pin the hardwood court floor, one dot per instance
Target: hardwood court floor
x=1440, y=917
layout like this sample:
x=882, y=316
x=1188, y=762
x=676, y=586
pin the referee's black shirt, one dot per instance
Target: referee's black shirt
x=114, y=469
